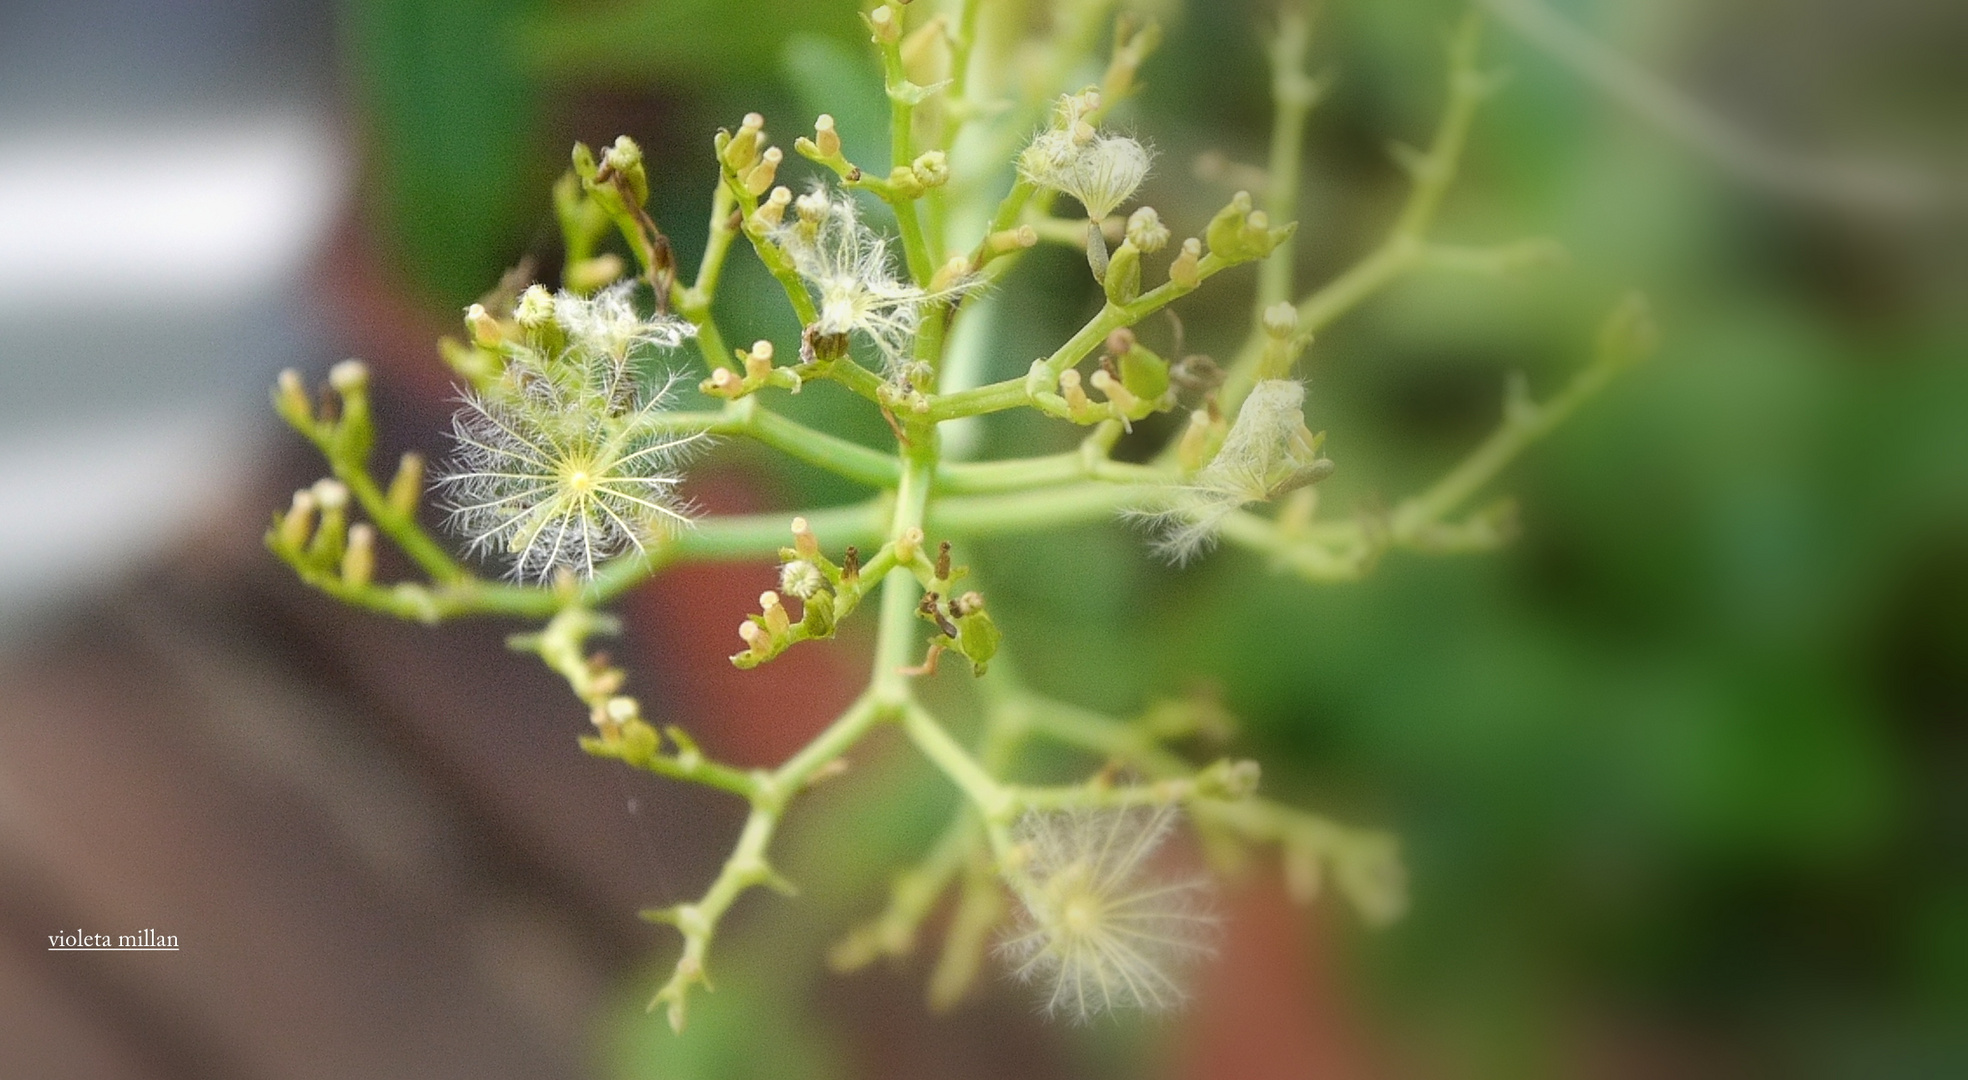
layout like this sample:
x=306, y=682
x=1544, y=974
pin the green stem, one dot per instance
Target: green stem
x=1292, y=95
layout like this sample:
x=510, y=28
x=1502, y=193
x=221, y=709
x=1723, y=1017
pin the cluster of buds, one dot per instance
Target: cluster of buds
x=314, y=533
x=758, y=373
x=1132, y=379
x=1145, y=235
x=749, y=161
x=1240, y=234
x=827, y=592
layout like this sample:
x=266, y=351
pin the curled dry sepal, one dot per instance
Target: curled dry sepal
x=562, y=460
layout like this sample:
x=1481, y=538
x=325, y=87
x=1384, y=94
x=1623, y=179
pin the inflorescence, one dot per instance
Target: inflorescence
x=570, y=445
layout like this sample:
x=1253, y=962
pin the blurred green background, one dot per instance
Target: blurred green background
x=1684, y=771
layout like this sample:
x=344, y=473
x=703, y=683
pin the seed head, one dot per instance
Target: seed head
x=566, y=462
x=1267, y=452
x=846, y=266
x=1101, y=171
x=1095, y=927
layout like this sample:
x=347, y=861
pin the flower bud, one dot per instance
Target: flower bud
x=587, y=275
x=407, y=486
x=622, y=165
x=1116, y=392
x=931, y=169
x=950, y=275
x=776, y=619
x=1123, y=278
x=485, y=330
x=758, y=179
x=741, y=152
x=1146, y=231
x=758, y=362
x=886, y=23
x=1184, y=271
x=359, y=560
x=1009, y=240
x=349, y=377
x=773, y=210
x=297, y=524
x=825, y=138
x=1281, y=320
x=331, y=495
x=290, y=400
x=1069, y=388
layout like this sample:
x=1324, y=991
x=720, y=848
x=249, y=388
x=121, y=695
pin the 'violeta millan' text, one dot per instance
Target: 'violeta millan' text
x=148, y=939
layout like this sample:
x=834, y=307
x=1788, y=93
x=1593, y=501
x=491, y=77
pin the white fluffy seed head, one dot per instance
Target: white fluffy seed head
x=1102, y=171
x=566, y=462
x=1266, y=449
x=1096, y=927
x=846, y=266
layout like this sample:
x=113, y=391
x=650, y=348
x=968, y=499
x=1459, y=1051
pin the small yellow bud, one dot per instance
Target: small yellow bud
x=825, y=139
x=349, y=377
x=290, y=400
x=743, y=149
x=622, y=709
x=1184, y=270
x=776, y=619
x=331, y=495
x=950, y=274
x=359, y=560
x=407, y=485
x=1070, y=389
x=297, y=524
x=594, y=273
x=773, y=210
x=803, y=539
x=759, y=178
x=1008, y=240
x=758, y=362
x=1281, y=320
x=886, y=22
x=485, y=330
x=1123, y=400
x=908, y=545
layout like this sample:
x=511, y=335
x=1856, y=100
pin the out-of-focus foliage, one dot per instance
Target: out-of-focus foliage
x=1682, y=769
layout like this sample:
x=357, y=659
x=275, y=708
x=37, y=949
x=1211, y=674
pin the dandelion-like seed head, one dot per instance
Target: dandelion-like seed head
x=846, y=266
x=1266, y=452
x=1102, y=171
x=566, y=462
x=1096, y=927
